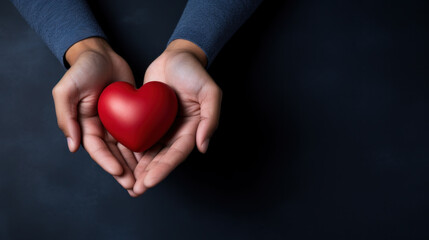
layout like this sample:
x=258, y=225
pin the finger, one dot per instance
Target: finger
x=146, y=158
x=132, y=193
x=66, y=100
x=126, y=179
x=101, y=154
x=160, y=167
x=128, y=155
x=210, y=102
x=138, y=155
x=140, y=173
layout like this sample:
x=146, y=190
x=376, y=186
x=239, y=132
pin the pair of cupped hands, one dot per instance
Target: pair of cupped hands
x=94, y=65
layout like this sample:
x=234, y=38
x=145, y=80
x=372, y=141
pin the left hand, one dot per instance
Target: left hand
x=182, y=67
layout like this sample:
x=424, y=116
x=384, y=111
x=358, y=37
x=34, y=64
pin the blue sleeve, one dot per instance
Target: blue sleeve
x=60, y=23
x=210, y=24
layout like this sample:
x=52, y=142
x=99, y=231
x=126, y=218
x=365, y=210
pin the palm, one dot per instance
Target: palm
x=191, y=83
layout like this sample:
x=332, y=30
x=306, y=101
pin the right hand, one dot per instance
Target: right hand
x=94, y=65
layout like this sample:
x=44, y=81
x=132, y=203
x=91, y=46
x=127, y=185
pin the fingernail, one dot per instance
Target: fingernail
x=148, y=182
x=205, y=145
x=70, y=143
x=131, y=193
x=139, y=188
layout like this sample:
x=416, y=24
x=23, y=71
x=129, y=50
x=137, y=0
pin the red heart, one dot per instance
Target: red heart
x=137, y=118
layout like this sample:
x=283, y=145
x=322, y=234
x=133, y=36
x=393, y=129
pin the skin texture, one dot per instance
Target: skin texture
x=94, y=65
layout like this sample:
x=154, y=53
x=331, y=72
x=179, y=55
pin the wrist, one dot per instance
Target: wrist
x=93, y=44
x=182, y=45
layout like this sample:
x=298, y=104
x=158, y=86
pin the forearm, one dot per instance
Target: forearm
x=210, y=24
x=60, y=23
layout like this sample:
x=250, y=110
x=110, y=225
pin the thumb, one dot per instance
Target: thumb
x=210, y=103
x=66, y=99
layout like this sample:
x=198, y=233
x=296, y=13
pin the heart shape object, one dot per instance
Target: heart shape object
x=137, y=118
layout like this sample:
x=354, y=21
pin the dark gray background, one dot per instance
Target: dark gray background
x=323, y=135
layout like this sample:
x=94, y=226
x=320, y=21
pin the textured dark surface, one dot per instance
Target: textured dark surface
x=323, y=132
